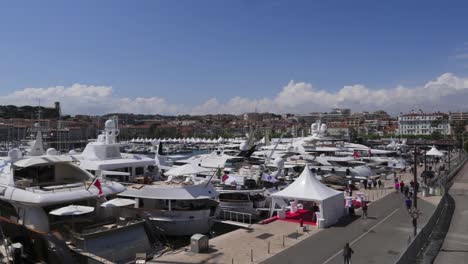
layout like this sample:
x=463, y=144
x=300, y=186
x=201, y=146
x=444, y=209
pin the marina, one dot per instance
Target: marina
x=233, y=132
x=271, y=197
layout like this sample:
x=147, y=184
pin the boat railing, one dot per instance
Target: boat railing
x=235, y=216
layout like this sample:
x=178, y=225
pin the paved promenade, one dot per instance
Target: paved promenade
x=382, y=238
x=455, y=247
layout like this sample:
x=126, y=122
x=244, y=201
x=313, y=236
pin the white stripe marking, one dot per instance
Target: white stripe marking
x=361, y=236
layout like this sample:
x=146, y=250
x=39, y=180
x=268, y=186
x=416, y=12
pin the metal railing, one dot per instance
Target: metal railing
x=236, y=216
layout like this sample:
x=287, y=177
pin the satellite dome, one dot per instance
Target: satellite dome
x=110, y=124
x=243, y=146
x=51, y=151
x=14, y=154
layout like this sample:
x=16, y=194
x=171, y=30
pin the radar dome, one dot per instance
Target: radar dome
x=14, y=154
x=36, y=125
x=110, y=124
x=51, y=151
x=243, y=146
x=72, y=152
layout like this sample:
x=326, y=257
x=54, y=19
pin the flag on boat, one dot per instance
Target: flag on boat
x=356, y=154
x=268, y=178
x=224, y=178
x=218, y=173
x=97, y=183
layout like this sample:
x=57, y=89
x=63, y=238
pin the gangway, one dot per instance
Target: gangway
x=235, y=218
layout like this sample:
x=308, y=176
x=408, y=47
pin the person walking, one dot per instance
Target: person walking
x=408, y=203
x=402, y=186
x=379, y=182
x=406, y=190
x=397, y=186
x=365, y=184
x=364, y=210
x=347, y=252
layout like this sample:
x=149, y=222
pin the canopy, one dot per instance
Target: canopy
x=41, y=160
x=72, y=210
x=118, y=202
x=306, y=187
x=434, y=152
x=186, y=169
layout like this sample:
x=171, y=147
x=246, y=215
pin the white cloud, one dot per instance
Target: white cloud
x=461, y=56
x=446, y=92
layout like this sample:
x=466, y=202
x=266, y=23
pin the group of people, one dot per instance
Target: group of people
x=369, y=183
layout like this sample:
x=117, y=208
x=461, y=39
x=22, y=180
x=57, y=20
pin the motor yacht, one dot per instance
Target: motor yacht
x=53, y=208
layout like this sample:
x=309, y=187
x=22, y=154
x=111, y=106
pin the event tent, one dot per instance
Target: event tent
x=434, y=152
x=307, y=188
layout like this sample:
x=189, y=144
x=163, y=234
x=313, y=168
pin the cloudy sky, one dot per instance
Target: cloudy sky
x=197, y=57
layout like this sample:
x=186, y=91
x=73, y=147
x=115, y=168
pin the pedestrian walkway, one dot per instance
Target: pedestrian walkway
x=455, y=247
x=244, y=245
x=381, y=238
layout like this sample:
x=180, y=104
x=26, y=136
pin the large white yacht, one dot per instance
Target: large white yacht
x=175, y=206
x=178, y=207
x=54, y=209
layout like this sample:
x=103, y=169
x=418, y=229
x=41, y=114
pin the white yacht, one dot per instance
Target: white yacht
x=175, y=206
x=54, y=209
x=178, y=207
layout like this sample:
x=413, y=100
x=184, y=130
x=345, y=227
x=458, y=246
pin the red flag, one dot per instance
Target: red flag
x=97, y=183
x=356, y=154
x=224, y=178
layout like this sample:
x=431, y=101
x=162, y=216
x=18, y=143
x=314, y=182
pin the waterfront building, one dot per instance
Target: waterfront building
x=420, y=123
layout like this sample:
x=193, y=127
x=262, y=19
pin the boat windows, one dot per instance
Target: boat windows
x=35, y=175
x=139, y=170
x=8, y=210
x=48, y=175
x=228, y=197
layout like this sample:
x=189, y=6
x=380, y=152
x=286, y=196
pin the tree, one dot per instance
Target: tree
x=436, y=135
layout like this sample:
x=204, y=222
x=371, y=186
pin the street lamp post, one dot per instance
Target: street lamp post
x=415, y=193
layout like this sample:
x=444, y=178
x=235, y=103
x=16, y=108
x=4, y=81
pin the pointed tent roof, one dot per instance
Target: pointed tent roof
x=434, y=152
x=307, y=187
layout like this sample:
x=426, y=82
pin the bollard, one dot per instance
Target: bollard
x=297, y=234
x=232, y=261
x=283, y=240
x=268, y=247
x=251, y=255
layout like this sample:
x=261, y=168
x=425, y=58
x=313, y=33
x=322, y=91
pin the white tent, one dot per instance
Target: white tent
x=434, y=152
x=307, y=188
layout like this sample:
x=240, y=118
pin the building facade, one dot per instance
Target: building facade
x=420, y=123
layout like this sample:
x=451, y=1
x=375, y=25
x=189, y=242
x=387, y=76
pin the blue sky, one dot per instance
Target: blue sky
x=187, y=52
